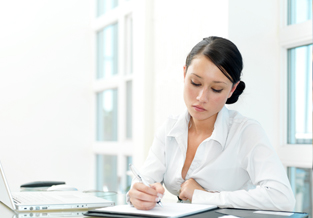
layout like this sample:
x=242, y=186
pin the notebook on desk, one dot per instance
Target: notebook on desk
x=29, y=201
x=168, y=210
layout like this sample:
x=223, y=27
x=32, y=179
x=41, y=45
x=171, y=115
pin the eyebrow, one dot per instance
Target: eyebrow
x=212, y=81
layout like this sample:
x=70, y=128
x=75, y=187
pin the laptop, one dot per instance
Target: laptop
x=55, y=214
x=53, y=200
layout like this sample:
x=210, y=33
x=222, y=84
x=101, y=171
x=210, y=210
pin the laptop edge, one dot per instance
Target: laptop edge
x=7, y=199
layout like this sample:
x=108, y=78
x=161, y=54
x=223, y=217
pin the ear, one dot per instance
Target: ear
x=233, y=89
x=185, y=71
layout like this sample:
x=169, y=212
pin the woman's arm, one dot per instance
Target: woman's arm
x=259, y=159
x=143, y=197
x=140, y=195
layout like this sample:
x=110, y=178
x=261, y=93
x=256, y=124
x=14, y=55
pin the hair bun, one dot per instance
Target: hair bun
x=238, y=91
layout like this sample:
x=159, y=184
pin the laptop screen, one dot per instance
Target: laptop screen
x=6, y=197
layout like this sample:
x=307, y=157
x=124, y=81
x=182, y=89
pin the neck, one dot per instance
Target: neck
x=202, y=127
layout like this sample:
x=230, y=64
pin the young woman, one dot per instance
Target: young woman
x=209, y=154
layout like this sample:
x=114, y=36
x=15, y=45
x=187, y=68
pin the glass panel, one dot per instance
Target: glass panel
x=107, y=52
x=129, y=44
x=107, y=115
x=299, y=11
x=107, y=179
x=129, y=173
x=105, y=5
x=129, y=111
x=300, y=95
x=301, y=183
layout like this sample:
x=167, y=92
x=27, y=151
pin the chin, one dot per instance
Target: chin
x=200, y=115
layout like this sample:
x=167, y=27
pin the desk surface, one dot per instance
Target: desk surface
x=5, y=212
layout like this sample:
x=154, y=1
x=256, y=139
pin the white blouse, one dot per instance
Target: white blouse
x=237, y=160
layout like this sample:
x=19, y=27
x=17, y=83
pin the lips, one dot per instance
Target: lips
x=198, y=108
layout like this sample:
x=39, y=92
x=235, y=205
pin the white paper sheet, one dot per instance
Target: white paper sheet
x=168, y=209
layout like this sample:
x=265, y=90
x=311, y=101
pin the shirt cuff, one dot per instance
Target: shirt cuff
x=204, y=197
x=128, y=200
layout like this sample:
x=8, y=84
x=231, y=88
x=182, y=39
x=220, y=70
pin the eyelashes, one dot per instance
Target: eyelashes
x=195, y=84
x=199, y=84
x=217, y=91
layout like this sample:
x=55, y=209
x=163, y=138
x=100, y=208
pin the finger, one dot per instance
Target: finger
x=146, y=189
x=182, y=197
x=144, y=196
x=159, y=188
x=136, y=192
x=142, y=205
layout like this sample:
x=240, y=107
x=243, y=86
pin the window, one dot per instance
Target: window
x=296, y=147
x=107, y=52
x=301, y=184
x=107, y=115
x=299, y=11
x=129, y=121
x=113, y=90
x=300, y=95
x=105, y=5
x=107, y=173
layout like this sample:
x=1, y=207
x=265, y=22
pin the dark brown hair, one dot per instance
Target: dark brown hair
x=226, y=56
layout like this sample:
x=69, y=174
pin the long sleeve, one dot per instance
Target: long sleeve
x=272, y=189
x=155, y=166
x=262, y=197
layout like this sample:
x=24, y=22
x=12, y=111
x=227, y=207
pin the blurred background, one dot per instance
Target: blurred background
x=85, y=84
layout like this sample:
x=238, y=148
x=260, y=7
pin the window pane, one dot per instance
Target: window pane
x=299, y=11
x=106, y=173
x=301, y=183
x=300, y=95
x=129, y=173
x=107, y=115
x=105, y=5
x=129, y=111
x=129, y=44
x=107, y=52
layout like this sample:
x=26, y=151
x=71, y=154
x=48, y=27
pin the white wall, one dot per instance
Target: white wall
x=45, y=92
x=180, y=25
x=254, y=28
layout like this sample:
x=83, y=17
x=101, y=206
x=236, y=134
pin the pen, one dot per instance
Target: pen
x=137, y=174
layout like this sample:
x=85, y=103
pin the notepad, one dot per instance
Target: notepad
x=168, y=210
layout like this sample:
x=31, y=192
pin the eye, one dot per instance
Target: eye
x=195, y=84
x=217, y=91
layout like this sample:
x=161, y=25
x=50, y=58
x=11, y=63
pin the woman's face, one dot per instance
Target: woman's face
x=206, y=88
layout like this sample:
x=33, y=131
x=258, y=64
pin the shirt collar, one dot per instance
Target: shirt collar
x=220, y=131
x=181, y=125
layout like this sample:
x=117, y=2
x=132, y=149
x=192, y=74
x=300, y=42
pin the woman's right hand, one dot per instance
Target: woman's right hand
x=144, y=197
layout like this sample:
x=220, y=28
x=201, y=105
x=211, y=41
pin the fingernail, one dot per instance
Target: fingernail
x=157, y=199
x=160, y=195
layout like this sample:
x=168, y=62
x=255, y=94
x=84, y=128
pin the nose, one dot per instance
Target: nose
x=202, y=96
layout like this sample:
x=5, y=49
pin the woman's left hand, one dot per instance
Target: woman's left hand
x=187, y=189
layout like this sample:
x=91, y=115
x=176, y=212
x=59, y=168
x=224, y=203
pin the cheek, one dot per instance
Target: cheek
x=220, y=99
x=190, y=92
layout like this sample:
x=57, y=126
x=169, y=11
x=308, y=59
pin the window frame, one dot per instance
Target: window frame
x=290, y=36
x=123, y=147
x=142, y=78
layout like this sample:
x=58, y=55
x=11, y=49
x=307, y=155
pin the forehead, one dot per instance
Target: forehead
x=203, y=68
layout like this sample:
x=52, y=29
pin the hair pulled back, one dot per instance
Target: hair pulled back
x=226, y=56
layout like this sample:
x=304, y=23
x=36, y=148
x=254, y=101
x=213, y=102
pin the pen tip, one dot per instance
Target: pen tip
x=160, y=203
